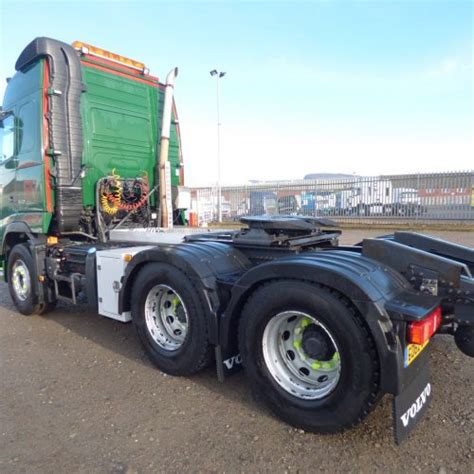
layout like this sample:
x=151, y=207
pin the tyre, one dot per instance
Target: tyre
x=170, y=321
x=308, y=356
x=21, y=272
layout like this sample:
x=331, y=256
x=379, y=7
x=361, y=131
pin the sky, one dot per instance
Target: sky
x=345, y=86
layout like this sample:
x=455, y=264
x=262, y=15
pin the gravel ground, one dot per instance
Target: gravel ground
x=79, y=395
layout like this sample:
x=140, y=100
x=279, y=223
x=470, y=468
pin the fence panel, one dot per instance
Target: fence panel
x=412, y=197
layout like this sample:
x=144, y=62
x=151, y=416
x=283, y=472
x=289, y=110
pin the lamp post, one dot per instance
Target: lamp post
x=218, y=75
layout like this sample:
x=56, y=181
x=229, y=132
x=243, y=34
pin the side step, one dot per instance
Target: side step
x=71, y=281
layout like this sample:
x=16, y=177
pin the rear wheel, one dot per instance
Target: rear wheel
x=21, y=275
x=170, y=320
x=308, y=356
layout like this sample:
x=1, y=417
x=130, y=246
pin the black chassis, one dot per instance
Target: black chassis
x=391, y=281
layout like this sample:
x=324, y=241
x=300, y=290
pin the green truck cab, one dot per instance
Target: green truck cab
x=70, y=116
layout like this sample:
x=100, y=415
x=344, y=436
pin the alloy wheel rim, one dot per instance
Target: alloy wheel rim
x=296, y=369
x=166, y=317
x=21, y=280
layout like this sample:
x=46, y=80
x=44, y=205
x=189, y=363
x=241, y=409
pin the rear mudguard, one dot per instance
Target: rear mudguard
x=204, y=263
x=369, y=285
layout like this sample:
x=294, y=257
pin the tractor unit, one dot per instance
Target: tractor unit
x=91, y=185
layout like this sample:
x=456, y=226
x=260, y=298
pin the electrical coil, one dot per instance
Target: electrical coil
x=123, y=195
x=111, y=195
x=141, y=186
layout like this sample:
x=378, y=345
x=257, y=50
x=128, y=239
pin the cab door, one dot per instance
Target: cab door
x=29, y=169
x=8, y=163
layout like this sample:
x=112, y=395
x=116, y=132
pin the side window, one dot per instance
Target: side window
x=27, y=125
x=7, y=139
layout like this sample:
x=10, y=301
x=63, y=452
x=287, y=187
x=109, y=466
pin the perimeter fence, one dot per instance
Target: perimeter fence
x=427, y=198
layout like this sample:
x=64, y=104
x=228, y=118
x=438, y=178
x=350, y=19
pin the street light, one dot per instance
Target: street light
x=218, y=75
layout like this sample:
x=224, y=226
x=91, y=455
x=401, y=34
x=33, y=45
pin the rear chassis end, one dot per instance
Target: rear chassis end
x=440, y=273
x=412, y=287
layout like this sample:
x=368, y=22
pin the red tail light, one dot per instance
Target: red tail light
x=420, y=332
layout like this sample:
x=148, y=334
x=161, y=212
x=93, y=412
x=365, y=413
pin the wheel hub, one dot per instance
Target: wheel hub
x=316, y=343
x=301, y=355
x=166, y=317
x=181, y=314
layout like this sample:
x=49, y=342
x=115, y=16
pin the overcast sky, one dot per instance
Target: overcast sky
x=366, y=87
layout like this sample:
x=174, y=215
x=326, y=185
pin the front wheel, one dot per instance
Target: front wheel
x=309, y=356
x=21, y=272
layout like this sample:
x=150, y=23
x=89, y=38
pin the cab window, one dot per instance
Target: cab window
x=7, y=139
x=26, y=123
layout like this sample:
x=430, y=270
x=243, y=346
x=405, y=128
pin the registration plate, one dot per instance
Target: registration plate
x=412, y=351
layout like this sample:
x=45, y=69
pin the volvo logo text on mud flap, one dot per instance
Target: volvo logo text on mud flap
x=417, y=406
x=411, y=403
x=234, y=360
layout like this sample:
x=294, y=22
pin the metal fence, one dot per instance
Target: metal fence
x=413, y=197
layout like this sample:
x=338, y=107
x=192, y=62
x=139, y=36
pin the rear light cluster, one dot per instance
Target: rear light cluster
x=420, y=332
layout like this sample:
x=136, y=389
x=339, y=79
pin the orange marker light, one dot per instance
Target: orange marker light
x=85, y=48
x=52, y=240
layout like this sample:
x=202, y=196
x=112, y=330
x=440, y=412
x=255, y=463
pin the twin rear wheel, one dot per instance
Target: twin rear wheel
x=306, y=351
x=308, y=356
x=169, y=318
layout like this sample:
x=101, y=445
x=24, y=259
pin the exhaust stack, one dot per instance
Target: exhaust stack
x=165, y=141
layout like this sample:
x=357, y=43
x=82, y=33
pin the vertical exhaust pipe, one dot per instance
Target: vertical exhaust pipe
x=165, y=142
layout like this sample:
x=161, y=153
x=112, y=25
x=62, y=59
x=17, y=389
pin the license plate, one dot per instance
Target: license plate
x=412, y=351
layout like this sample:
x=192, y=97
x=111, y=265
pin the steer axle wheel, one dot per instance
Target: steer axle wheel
x=21, y=280
x=21, y=275
x=169, y=318
x=309, y=356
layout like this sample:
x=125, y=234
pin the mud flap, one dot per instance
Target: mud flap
x=411, y=404
x=227, y=363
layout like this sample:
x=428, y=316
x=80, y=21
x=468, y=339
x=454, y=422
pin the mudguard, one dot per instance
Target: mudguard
x=17, y=227
x=365, y=282
x=203, y=263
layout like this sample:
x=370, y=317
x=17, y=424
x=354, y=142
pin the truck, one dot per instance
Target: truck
x=263, y=203
x=319, y=203
x=383, y=199
x=90, y=149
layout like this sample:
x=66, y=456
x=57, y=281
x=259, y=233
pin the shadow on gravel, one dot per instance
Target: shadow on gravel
x=121, y=339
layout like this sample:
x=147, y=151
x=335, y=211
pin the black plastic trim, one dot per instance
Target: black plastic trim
x=365, y=282
x=206, y=264
x=65, y=124
x=91, y=279
x=18, y=227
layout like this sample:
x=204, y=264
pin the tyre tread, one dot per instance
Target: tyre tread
x=374, y=395
x=205, y=357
